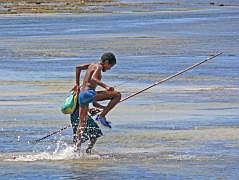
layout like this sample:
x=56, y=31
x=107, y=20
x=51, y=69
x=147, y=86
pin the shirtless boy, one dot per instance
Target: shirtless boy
x=87, y=93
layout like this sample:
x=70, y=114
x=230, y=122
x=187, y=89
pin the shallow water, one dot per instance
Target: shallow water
x=184, y=128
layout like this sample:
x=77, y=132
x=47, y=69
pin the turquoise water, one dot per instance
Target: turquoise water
x=186, y=128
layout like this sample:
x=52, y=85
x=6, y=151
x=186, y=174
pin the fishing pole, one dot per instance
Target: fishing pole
x=55, y=132
x=145, y=89
x=171, y=77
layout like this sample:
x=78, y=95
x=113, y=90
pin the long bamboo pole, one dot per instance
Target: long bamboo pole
x=145, y=89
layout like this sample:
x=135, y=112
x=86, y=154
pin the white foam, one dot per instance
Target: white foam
x=61, y=152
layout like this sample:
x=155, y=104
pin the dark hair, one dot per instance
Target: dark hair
x=110, y=57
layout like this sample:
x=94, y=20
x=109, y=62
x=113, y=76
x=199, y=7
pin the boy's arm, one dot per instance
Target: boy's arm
x=78, y=72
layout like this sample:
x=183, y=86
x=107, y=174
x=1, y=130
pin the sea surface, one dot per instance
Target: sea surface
x=185, y=128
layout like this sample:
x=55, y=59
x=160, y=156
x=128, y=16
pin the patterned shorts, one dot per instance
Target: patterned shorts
x=91, y=131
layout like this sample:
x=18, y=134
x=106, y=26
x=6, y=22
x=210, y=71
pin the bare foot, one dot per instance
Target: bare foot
x=77, y=147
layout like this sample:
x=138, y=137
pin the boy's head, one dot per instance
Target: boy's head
x=108, y=60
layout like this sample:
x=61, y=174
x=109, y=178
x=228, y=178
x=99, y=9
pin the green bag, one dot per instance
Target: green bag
x=69, y=104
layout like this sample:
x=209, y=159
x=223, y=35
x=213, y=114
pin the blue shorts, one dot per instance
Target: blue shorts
x=86, y=97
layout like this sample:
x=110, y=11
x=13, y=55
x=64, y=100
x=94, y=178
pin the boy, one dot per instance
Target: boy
x=89, y=95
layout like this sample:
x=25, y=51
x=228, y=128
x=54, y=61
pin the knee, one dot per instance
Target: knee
x=118, y=95
x=115, y=95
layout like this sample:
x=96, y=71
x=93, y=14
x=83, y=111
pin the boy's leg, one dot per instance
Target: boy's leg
x=113, y=96
x=75, y=123
x=91, y=145
x=81, y=126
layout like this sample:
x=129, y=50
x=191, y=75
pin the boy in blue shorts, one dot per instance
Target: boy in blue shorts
x=88, y=94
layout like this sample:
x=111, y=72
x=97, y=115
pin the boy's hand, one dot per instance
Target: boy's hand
x=76, y=89
x=110, y=89
x=94, y=111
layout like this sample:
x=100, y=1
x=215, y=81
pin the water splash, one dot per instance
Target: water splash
x=63, y=151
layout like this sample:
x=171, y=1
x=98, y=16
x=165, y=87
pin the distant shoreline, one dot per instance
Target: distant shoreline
x=53, y=6
x=97, y=6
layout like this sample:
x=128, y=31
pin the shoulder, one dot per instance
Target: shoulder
x=97, y=66
x=83, y=66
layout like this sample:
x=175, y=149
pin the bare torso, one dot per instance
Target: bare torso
x=93, y=70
